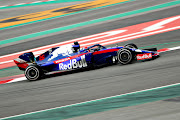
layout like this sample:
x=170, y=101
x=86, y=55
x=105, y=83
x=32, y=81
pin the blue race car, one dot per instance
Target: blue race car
x=64, y=58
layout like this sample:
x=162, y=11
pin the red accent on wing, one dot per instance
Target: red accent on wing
x=21, y=65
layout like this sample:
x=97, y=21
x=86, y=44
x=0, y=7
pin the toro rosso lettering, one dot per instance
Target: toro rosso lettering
x=144, y=56
x=73, y=64
x=62, y=60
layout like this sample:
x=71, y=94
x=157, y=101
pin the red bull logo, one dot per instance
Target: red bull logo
x=73, y=64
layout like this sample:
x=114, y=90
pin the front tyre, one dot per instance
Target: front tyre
x=125, y=56
x=33, y=73
x=131, y=45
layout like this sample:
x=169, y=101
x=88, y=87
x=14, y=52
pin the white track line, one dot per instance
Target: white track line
x=18, y=79
x=174, y=48
x=112, y=40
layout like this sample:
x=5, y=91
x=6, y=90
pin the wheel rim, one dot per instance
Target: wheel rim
x=32, y=73
x=125, y=56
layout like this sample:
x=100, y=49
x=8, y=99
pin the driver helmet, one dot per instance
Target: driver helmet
x=76, y=47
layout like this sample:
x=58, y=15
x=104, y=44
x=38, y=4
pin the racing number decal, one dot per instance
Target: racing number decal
x=41, y=57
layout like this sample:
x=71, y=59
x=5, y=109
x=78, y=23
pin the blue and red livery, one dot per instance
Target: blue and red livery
x=63, y=59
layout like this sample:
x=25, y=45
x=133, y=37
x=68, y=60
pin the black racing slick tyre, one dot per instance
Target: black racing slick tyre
x=33, y=73
x=125, y=56
x=131, y=45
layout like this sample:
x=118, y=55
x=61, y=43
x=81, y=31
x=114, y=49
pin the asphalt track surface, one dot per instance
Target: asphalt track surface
x=23, y=97
x=12, y=12
x=10, y=2
x=160, y=110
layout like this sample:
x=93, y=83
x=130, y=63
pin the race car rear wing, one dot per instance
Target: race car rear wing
x=24, y=60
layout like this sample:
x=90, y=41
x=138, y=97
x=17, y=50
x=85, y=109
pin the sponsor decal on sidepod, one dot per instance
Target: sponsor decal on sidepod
x=73, y=64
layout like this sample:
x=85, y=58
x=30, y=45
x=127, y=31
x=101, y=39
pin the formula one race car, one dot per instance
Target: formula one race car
x=63, y=58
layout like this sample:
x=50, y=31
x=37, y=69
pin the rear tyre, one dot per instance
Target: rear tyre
x=125, y=56
x=33, y=73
